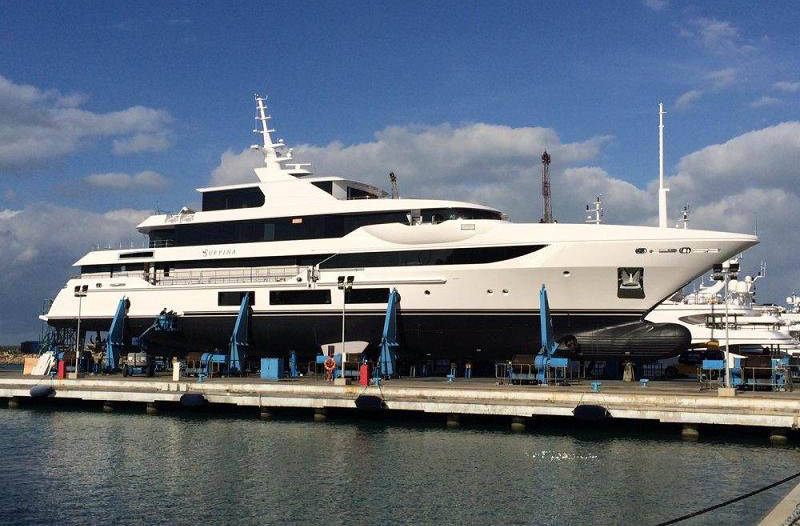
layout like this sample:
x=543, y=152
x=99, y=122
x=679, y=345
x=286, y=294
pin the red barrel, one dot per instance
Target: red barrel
x=62, y=367
x=363, y=375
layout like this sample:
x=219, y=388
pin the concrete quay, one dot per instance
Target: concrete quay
x=677, y=402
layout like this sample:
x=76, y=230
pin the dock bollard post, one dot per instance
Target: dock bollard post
x=151, y=408
x=108, y=406
x=265, y=413
x=690, y=432
x=13, y=402
x=453, y=420
x=518, y=424
x=777, y=436
x=320, y=414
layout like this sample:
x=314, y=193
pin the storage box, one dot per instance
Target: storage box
x=271, y=368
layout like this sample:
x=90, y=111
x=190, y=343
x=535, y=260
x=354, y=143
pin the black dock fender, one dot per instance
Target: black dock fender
x=193, y=400
x=42, y=391
x=591, y=413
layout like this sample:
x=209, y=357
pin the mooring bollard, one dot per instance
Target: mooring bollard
x=151, y=408
x=320, y=415
x=518, y=424
x=778, y=436
x=108, y=407
x=13, y=402
x=453, y=420
x=690, y=432
x=265, y=414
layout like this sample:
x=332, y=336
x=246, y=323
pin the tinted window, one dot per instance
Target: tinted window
x=306, y=227
x=324, y=185
x=234, y=298
x=355, y=193
x=237, y=198
x=453, y=256
x=300, y=297
x=367, y=296
x=136, y=255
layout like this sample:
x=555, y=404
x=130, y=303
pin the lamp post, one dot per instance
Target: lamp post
x=344, y=283
x=80, y=293
x=725, y=271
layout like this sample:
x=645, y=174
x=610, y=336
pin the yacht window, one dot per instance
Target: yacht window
x=355, y=193
x=237, y=198
x=234, y=298
x=136, y=255
x=295, y=228
x=327, y=186
x=367, y=295
x=450, y=256
x=300, y=297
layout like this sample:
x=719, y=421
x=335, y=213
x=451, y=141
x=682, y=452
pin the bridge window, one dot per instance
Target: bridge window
x=237, y=198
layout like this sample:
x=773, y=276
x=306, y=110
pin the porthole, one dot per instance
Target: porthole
x=98, y=285
x=489, y=291
x=641, y=250
x=427, y=293
x=566, y=273
x=505, y=291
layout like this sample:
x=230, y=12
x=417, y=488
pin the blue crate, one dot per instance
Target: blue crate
x=272, y=368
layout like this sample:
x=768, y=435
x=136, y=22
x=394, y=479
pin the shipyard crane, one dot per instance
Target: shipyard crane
x=548, y=206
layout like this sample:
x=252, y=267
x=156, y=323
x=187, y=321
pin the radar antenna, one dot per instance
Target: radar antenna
x=595, y=213
x=548, y=206
x=393, y=180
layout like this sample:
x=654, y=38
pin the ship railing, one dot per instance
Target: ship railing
x=227, y=276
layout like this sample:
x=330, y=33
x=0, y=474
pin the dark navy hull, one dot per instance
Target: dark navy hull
x=477, y=336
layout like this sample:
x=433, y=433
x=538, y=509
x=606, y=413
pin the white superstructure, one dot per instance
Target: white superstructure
x=468, y=278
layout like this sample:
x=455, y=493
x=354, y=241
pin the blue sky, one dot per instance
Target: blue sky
x=363, y=88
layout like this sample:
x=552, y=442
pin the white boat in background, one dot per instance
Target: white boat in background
x=752, y=328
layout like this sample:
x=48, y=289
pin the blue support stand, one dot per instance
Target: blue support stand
x=118, y=337
x=293, y=365
x=388, y=359
x=546, y=357
x=240, y=339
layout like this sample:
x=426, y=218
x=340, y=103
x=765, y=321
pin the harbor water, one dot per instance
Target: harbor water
x=79, y=466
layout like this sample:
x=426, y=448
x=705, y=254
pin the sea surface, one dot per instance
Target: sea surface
x=81, y=466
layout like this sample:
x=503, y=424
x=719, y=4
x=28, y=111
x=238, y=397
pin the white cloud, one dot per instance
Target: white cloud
x=768, y=157
x=40, y=244
x=474, y=162
x=142, y=142
x=236, y=168
x=789, y=87
x=656, y=5
x=716, y=36
x=764, y=101
x=40, y=125
x=8, y=214
x=721, y=78
x=687, y=98
x=124, y=181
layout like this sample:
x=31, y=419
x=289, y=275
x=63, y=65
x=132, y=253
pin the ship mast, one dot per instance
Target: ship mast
x=662, y=192
x=271, y=150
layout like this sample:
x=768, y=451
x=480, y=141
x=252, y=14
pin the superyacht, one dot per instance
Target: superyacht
x=468, y=277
